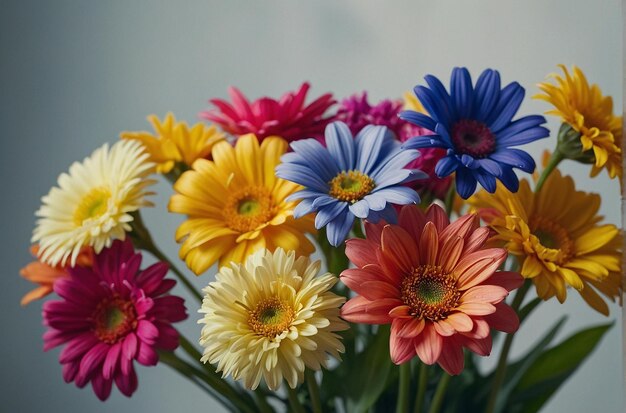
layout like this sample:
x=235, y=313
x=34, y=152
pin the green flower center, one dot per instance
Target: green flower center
x=351, y=186
x=430, y=292
x=113, y=319
x=93, y=205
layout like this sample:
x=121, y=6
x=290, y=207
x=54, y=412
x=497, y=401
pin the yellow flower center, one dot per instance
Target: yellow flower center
x=271, y=317
x=554, y=238
x=430, y=292
x=351, y=186
x=93, y=205
x=245, y=210
x=114, y=318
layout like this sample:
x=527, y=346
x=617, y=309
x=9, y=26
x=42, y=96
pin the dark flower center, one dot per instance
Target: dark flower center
x=114, y=318
x=473, y=138
x=554, y=238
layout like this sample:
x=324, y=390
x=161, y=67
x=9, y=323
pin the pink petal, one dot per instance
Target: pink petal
x=129, y=346
x=443, y=328
x=407, y=328
x=503, y=319
x=361, y=251
x=428, y=345
x=373, y=232
x=91, y=362
x=146, y=331
x=398, y=245
x=401, y=350
x=111, y=361
x=361, y=310
x=127, y=383
x=481, y=347
x=429, y=244
x=102, y=387
x=461, y=227
x=460, y=322
x=77, y=347
x=478, y=266
x=484, y=294
x=168, y=336
x=451, y=359
x=506, y=279
x=70, y=370
x=401, y=311
x=476, y=240
x=146, y=355
x=170, y=308
x=476, y=308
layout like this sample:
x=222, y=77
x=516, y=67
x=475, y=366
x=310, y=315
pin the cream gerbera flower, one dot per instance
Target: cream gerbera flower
x=92, y=204
x=271, y=317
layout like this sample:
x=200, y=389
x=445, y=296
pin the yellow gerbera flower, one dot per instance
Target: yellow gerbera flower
x=174, y=142
x=93, y=203
x=236, y=205
x=558, y=237
x=587, y=111
x=411, y=102
x=270, y=318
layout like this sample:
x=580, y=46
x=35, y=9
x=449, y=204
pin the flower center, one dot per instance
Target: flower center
x=114, y=318
x=430, y=292
x=93, y=205
x=271, y=317
x=558, y=245
x=245, y=210
x=351, y=186
x=473, y=138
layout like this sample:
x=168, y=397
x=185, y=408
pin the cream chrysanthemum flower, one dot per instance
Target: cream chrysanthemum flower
x=271, y=317
x=92, y=203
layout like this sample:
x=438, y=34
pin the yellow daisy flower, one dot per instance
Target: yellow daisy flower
x=236, y=205
x=589, y=113
x=270, y=318
x=558, y=237
x=93, y=203
x=175, y=142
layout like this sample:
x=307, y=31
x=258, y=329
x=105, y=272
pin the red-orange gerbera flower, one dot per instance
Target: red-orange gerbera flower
x=45, y=275
x=434, y=282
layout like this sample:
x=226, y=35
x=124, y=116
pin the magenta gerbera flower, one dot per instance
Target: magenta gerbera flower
x=288, y=117
x=110, y=315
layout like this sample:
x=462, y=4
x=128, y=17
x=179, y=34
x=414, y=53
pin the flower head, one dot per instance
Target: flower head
x=587, y=111
x=45, y=275
x=269, y=318
x=474, y=124
x=175, y=142
x=235, y=205
x=288, y=117
x=93, y=203
x=557, y=235
x=110, y=315
x=434, y=282
x=349, y=177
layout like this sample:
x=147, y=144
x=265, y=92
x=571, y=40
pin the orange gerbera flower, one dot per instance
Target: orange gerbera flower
x=434, y=282
x=45, y=275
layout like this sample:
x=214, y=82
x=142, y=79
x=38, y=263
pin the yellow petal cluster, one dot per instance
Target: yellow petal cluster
x=174, y=142
x=269, y=318
x=558, y=236
x=583, y=106
x=235, y=205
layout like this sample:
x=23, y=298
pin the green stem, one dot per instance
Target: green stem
x=421, y=389
x=449, y=201
x=296, y=407
x=314, y=391
x=555, y=159
x=403, y=388
x=440, y=392
x=142, y=239
x=498, y=378
x=261, y=401
x=357, y=229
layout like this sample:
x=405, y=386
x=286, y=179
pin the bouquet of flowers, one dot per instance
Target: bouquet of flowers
x=418, y=214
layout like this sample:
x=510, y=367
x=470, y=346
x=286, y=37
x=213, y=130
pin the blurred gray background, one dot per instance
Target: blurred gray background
x=74, y=74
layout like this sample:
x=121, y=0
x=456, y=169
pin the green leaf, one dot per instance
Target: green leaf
x=554, y=366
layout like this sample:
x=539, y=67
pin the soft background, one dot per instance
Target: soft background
x=74, y=74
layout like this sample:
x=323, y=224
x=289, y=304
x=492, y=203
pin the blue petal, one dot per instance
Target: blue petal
x=443, y=132
x=396, y=162
x=329, y=212
x=465, y=183
x=509, y=179
x=507, y=106
x=360, y=209
x=302, y=194
x=487, y=181
x=399, y=195
x=469, y=161
x=520, y=125
x=515, y=158
x=442, y=96
x=490, y=166
x=527, y=136
x=369, y=142
x=430, y=141
x=303, y=208
x=324, y=200
x=388, y=214
x=314, y=155
x=301, y=175
x=403, y=176
x=461, y=92
x=338, y=229
x=446, y=165
x=418, y=119
x=486, y=94
x=437, y=109
x=340, y=144
x=376, y=203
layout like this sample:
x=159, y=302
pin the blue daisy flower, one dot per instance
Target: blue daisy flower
x=475, y=124
x=350, y=178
